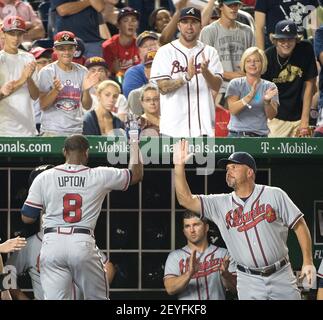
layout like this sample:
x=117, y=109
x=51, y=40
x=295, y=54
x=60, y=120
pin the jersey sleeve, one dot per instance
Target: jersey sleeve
x=161, y=67
x=116, y=179
x=211, y=206
x=34, y=203
x=172, y=266
x=287, y=210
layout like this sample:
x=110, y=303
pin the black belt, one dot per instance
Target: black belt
x=64, y=230
x=266, y=272
x=248, y=133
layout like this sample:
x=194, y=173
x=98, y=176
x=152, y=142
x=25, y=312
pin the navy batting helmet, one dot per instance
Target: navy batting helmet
x=37, y=171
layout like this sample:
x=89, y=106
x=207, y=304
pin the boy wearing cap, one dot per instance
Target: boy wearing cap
x=34, y=26
x=98, y=65
x=64, y=89
x=120, y=52
x=135, y=76
x=254, y=221
x=18, y=69
x=186, y=71
x=295, y=78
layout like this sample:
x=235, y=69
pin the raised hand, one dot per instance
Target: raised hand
x=7, y=88
x=224, y=266
x=180, y=154
x=90, y=80
x=309, y=272
x=11, y=245
x=181, y=5
x=58, y=86
x=194, y=264
x=204, y=64
x=28, y=70
x=270, y=93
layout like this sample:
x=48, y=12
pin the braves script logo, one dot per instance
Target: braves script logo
x=178, y=68
x=245, y=221
x=205, y=267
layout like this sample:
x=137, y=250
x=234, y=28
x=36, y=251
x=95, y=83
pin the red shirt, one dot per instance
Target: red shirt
x=127, y=56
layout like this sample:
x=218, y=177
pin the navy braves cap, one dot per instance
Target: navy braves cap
x=239, y=158
x=190, y=12
x=127, y=11
x=285, y=29
x=33, y=174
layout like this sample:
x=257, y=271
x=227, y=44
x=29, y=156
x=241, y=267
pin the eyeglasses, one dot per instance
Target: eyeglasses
x=150, y=100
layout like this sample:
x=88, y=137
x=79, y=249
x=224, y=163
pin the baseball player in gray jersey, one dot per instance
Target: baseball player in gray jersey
x=71, y=195
x=320, y=282
x=198, y=271
x=253, y=221
x=27, y=260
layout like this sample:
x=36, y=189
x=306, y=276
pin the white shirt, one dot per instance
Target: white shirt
x=189, y=110
x=16, y=111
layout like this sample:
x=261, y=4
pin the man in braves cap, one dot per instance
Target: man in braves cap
x=254, y=221
x=292, y=67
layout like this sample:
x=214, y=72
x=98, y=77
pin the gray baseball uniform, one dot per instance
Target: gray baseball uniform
x=27, y=260
x=255, y=232
x=206, y=284
x=71, y=196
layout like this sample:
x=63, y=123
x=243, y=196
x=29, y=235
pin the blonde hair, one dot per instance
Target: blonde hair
x=250, y=51
x=104, y=84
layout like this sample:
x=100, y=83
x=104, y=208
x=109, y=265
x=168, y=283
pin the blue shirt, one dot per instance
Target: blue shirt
x=84, y=24
x=134, y=78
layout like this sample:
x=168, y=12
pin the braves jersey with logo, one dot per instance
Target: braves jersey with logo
x=72, y=195
x=255, y=231
x=65, y=115
x=206, y=284
x=189, y=110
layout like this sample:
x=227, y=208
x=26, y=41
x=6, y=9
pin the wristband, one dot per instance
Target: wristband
x=246, y=104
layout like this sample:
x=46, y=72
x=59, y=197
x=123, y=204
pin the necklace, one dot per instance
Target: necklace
x=281, y=64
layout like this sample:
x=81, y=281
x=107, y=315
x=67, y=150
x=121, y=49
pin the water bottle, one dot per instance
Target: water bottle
x=133, y=128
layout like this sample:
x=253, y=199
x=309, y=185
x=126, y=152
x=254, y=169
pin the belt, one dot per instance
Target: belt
x=67, y=230
x=247, y=134
x=266, y=272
